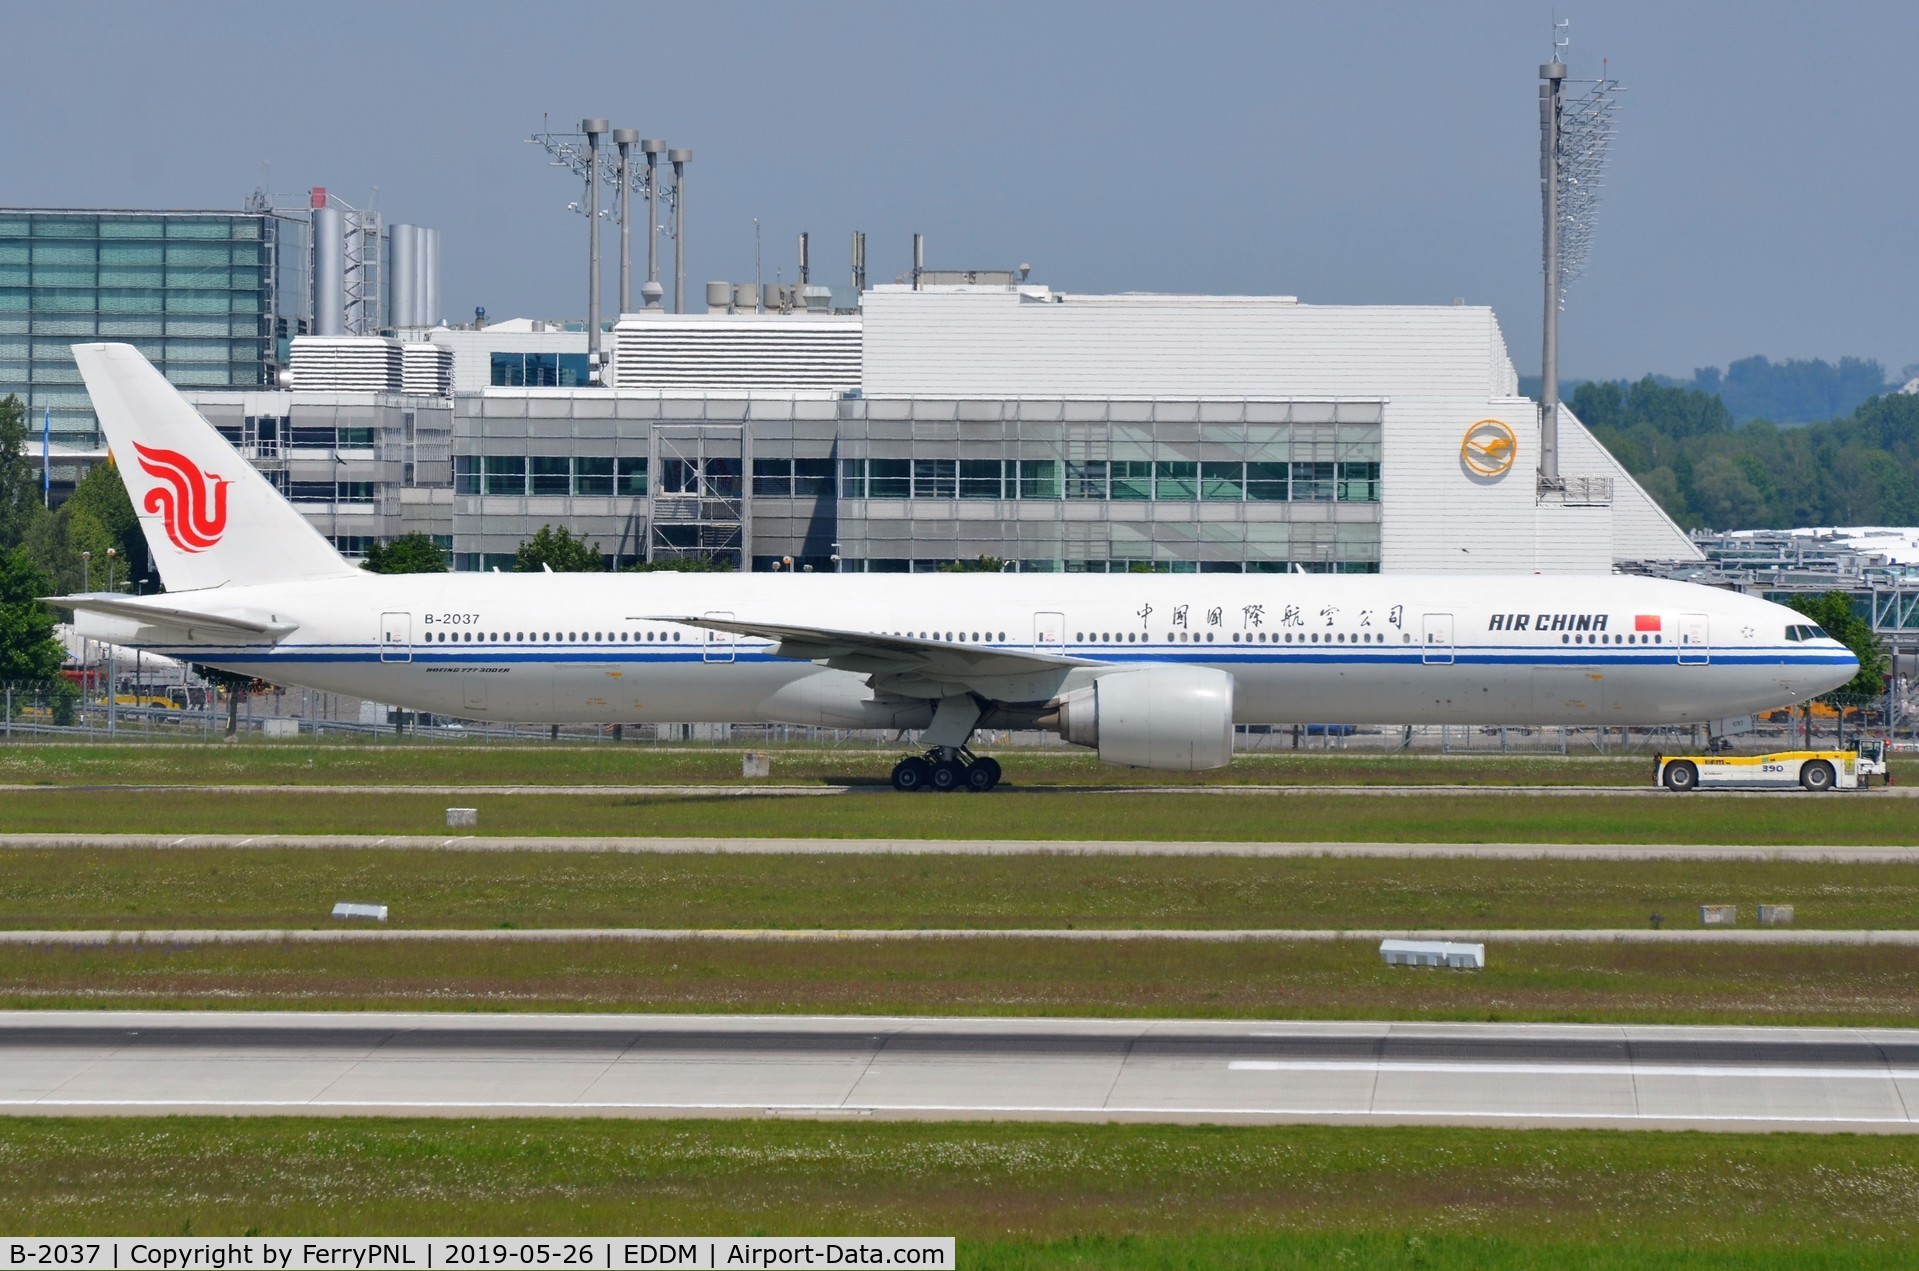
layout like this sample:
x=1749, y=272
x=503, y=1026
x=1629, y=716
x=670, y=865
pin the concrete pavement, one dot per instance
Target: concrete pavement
x=932, y=1068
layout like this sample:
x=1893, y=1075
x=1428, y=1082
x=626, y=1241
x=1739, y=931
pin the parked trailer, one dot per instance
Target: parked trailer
x=1815, y=770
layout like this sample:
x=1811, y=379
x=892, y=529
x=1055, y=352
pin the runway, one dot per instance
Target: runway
x=960, y=1068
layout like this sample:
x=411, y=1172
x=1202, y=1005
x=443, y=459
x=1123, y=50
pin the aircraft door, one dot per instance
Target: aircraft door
x=1437, y=640
x=1695, y=639
x=396, y=637
x=1049, y=630
x=720, y=644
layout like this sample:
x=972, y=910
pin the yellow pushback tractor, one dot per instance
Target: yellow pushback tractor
x=1814, y=770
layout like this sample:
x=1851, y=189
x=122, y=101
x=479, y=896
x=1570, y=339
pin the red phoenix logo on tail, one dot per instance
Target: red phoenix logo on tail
x=191, y=503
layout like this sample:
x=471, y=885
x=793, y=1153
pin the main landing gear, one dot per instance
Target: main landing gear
x=946, y=768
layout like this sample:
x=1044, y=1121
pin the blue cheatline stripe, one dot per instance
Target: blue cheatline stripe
x=1319, y=655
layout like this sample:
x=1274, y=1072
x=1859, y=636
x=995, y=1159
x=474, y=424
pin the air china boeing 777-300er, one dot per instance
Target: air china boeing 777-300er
x=1151, y=670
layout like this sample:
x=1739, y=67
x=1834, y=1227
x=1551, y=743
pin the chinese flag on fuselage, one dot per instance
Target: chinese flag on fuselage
x=1645, y=622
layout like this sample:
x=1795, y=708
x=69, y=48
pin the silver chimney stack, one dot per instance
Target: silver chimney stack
x=329, y=265
x=626, y=139
x=680, y=158
x=805, y=270
x=429, y=288
x=594, y=130
x=859, y=262
x=919, y=259
x=403, y=305
x=422, y=267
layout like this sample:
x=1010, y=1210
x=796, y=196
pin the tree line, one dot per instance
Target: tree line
x=1795, y=391
x=1709, y=471
x=554, y=549
x=47, y=552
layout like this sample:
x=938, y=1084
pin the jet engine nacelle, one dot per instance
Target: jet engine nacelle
x=1169, y=717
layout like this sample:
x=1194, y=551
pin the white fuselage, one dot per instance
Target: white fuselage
x=1300, y=648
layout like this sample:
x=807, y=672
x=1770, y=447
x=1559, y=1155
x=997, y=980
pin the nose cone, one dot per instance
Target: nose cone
x=1833, y=665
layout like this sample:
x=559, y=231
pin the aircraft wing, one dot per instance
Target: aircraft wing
x=198, y=625
x=906, y=663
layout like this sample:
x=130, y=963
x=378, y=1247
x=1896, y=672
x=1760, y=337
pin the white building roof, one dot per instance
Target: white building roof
x=1899, y=544
x=1440, y=370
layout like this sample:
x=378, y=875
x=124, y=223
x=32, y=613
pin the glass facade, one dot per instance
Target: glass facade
x=194, y=291
x=896, y=485
x=1171, y=482
x=539, y=370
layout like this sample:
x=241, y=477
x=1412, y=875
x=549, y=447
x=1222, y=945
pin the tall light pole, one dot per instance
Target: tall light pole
x=651, y=292
x=594, y=130
x=86, y=585
x=1552, y=100
x=1574, y=134
x=679, y=158
x=625, y=139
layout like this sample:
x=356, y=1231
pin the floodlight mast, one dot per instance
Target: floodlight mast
x=1574, y=136
x=653, y=148
x=1552, y=92
x=679, y=158
x=594, y=130
x=579, y=153
x=626, y=139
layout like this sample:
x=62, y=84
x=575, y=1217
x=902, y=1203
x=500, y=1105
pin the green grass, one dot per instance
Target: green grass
x=263, y=887
x=1843, y=818
x=1597, y=983
x=1015, y=1195
x=397, y=764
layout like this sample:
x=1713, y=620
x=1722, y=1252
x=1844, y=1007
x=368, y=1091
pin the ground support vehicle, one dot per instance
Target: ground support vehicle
x=1814, y=770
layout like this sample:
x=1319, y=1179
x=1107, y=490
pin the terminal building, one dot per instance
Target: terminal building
x=213, y=298
x=200, y=293
x=934, y=423
x=901, y=427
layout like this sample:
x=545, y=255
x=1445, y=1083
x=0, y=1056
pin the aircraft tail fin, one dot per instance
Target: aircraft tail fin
x=209, y=517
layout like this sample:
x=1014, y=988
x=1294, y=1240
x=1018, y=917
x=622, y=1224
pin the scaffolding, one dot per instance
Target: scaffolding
x=700, y=507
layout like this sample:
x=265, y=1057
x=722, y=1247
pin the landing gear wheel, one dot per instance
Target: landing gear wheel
x=949, y=774
x=1682, y=775
x=912, y=774
x=1816, y=776
x=982, y=775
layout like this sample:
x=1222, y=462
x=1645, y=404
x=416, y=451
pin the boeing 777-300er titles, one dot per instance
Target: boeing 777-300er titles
x=1151, y=670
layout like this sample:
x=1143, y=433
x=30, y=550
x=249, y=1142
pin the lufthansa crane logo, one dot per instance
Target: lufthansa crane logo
x=1489, y=448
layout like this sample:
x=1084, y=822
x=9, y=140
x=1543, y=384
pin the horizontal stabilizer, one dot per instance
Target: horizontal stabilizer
x=237, y=628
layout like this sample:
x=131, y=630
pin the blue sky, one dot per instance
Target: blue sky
x=1760, y=199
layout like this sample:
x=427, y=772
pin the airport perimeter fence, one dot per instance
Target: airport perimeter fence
x=60, y=710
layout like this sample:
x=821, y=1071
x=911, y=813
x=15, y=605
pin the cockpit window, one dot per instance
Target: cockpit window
x=1801, y=632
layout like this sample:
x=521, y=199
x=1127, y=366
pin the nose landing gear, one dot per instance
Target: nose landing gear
x=946, y=768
